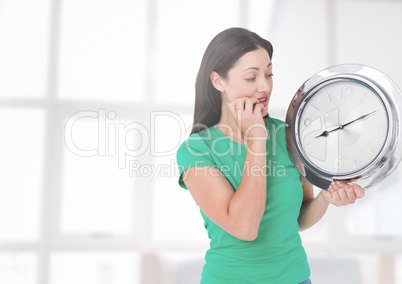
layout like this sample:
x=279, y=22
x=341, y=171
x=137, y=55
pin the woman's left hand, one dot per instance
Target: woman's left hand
x=341, y=193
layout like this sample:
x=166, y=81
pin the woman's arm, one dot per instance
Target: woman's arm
x=237, y=212
x=339, y=193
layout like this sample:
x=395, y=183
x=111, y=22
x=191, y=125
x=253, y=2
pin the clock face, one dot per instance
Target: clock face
x=342, y=126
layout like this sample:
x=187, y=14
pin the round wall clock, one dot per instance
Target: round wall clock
x=344, y=123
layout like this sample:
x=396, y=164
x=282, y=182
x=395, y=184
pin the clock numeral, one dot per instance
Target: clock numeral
x=346, y=92
x=364, y=96
x=315, y=107
x=354, y=159
x=307, y=121
x=380, y=131
x=329, y=96
x=371, y=150
x=337, y=163
x=323, y=156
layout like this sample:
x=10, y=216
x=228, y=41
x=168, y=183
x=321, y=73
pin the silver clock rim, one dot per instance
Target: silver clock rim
x=296, y=137
x=391, y=153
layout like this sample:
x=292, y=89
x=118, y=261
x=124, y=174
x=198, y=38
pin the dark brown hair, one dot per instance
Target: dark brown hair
x=220, y=56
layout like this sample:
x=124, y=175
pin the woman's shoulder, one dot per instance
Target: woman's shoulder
x=202, y=136
x=275, y=121
x=198, y=142
x=275, y=124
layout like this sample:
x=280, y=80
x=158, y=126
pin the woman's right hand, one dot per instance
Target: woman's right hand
x=238, y=211
x=249, y=116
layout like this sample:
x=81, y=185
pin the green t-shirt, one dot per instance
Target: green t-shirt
x=277, y=255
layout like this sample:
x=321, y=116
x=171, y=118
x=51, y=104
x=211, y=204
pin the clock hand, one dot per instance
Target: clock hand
x=326, y=132
x=359, y=118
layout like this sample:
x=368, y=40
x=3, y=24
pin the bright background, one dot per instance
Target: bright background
x=96, y=96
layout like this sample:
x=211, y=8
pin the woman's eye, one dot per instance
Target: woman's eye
x=250, y=79
x=269, y=75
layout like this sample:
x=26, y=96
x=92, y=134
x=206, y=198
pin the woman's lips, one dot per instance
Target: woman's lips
x=263, y=101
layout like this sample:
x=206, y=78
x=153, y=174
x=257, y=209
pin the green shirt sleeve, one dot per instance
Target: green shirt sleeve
x=193, y=153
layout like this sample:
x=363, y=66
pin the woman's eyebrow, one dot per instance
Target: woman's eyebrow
x=257, y=68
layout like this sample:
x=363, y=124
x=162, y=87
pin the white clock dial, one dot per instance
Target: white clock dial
x=342, y=127
x=344, y=123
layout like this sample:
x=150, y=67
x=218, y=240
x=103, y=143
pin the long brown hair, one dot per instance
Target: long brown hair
x=220, y=56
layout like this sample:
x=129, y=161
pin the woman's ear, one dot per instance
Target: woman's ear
x=217, y=81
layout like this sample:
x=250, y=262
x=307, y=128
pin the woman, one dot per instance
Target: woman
x=236, y=166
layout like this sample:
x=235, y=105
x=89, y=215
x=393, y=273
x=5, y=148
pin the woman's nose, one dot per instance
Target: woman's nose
x=265, y=85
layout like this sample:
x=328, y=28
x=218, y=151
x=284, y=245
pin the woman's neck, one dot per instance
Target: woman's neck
x=229, y=126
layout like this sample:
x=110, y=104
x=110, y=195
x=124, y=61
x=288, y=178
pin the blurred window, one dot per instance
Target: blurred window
x=103, y=51
x=21, y=170
x=24, y=36
x=96, y=97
